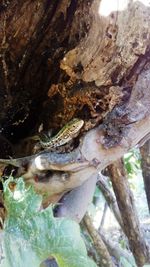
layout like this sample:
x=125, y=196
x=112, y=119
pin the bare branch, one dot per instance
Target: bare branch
x=115, y=250
x=125, y=200
x=101, y=249
x=75, y=203
x=110, y=199
x=76, y=167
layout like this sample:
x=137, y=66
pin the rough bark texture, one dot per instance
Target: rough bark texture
x=67, y=58
x=54, y=173
x=63, y=59
x=101, y=249
x=128, y=212
x=145, y=164
x=70, y=58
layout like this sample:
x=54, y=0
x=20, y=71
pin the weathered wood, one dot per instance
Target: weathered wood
x=69, y=58
x=54, y=173
x=35, y=37
x=66, y=58
x=75, y=53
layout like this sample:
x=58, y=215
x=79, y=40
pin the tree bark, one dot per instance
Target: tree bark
x=145, y=165
x=128, y=212
x=101, y=249
x=75, y=52
x=70, y=58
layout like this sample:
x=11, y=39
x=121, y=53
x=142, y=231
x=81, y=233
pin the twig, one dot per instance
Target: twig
x=110, y=199
x=103, y=216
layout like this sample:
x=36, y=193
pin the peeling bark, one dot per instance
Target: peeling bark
x=83, y=67
x=54, y=173
x=69, y=58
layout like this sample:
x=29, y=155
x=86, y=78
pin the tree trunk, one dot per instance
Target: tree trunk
x=75, y=53
x=70, y=58
x=128, y=212
x=145, y=165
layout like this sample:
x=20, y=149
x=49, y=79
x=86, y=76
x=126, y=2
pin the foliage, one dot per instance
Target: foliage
x=32, y=234
x=125, y=263
x=132, y=162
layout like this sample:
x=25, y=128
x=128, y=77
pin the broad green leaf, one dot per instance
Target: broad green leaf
x=32, y=234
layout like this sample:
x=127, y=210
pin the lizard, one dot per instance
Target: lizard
x=66, y=134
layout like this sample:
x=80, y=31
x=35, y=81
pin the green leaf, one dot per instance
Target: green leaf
x=128, y=167
x=31, y=234
x=132, y=162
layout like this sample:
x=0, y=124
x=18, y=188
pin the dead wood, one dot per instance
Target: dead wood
x=70, y=170
x=86, y=61
x=64, y=59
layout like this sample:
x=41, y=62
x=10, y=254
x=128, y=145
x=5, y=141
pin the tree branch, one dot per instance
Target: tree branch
x=74, y=204
x=110, y=199
x=128, y=212
x=101, y=249
x=76, y=167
